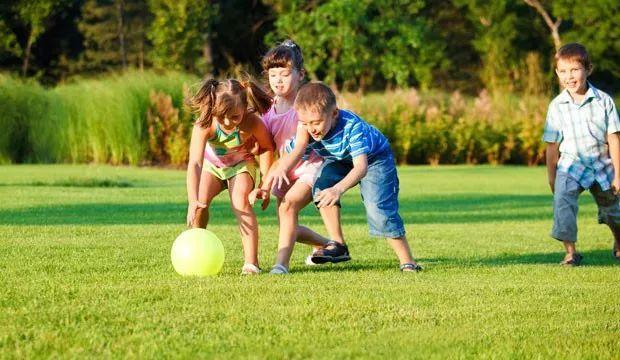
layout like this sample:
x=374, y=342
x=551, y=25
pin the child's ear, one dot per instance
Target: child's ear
x=335, y=112
x=590, y=68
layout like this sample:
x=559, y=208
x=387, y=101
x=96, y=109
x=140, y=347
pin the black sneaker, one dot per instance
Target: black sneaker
x=333, y=252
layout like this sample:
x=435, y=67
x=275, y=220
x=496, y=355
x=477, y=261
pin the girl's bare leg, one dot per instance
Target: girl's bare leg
x=208, y=189
x=240, y=187
x=296, y=198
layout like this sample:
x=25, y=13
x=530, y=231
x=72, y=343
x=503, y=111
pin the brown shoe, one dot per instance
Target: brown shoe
x=574, y=260
x=615, y=252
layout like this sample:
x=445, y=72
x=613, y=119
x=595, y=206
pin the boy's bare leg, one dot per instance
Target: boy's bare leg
x=298, y=196
x=570, y=249
x=402, y=250
x=331, y=219
x=310, y=237
x=240, y=187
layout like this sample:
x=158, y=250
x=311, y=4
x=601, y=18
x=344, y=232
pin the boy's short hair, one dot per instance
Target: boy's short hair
x=575, y=52
x=316, y=97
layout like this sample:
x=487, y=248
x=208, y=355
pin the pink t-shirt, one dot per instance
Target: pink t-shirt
x=283, y=128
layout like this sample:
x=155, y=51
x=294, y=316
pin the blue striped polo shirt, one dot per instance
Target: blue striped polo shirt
x=350, y=137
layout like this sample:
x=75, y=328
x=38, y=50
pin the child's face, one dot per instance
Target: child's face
x=284, y=81
x=572, y=75
x=232, y=119
x=316, y=123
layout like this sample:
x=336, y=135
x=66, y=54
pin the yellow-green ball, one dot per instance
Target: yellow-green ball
x=197, y=252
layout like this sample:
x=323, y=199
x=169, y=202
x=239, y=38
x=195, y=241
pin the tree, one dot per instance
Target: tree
x=596, y=26
x=237, y=35
x=8, y=41
x=356, y=44
x=114, y=34
x=553, y=25
x=495, y=34
x=180, y=34
x=33, y=14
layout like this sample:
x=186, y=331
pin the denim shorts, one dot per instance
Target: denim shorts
x=565, y=207
x=379, y=190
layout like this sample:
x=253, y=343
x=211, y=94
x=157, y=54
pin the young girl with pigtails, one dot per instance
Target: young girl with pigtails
x=284, y=68
x=220, y=156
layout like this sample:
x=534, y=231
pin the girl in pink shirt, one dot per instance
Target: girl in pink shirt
x=284, y=67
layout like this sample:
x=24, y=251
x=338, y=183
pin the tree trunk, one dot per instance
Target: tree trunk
x=120, y=7
x=553, y=26
x=141, y=56
x=208, y=56
x=27, y=55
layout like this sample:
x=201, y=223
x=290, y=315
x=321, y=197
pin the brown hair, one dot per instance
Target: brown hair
x=217, y=98
x=315, y=96
x=575, y=52
x=287, y=54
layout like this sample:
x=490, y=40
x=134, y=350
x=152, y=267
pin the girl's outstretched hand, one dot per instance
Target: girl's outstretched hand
x=277, y=178
x=191, y=211
x=259, y=194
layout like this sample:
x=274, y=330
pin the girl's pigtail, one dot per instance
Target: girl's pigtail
x=204, y=101
x=258, y=99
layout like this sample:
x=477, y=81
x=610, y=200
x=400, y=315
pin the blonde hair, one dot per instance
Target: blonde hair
x=218, y=98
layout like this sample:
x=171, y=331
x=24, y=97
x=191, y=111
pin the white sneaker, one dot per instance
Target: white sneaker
x=250, y=269
x=279, y=269
x=309, y=261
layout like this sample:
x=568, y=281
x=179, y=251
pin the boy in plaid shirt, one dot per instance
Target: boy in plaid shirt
x=583, y=150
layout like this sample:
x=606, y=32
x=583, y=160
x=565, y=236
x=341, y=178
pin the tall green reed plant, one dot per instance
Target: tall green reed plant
x=97, y=120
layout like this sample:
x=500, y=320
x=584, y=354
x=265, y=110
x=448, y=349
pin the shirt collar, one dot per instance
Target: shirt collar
x=591, y=93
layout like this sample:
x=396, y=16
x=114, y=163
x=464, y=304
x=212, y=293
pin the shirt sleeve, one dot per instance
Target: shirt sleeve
x=267, y=121
x=553, y=126
x=613, y=123
x=358, y=143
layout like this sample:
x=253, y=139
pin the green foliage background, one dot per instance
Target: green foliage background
x=458, y=81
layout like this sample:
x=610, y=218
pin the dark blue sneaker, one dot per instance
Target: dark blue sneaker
x=333, y=252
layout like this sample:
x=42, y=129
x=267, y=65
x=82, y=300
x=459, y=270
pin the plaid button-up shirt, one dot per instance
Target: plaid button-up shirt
x=581, y=130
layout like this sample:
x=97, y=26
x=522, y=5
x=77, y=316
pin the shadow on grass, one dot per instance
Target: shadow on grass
x=592, y=258
x=78, y=182
x=459, y=208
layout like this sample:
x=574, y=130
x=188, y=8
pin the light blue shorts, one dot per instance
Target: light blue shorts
x=565, y=207
x=379, y=190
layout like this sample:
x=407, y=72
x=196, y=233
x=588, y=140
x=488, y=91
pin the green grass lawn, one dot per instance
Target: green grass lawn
x=85, y=271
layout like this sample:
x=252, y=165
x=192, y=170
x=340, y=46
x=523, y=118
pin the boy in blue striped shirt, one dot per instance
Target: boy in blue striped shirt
x=583, y=150
x=353, y=152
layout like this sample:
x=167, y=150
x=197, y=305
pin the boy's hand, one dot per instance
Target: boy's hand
x=259, y=194
x=328, y=197
x=615, y=185
x=191, y=211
